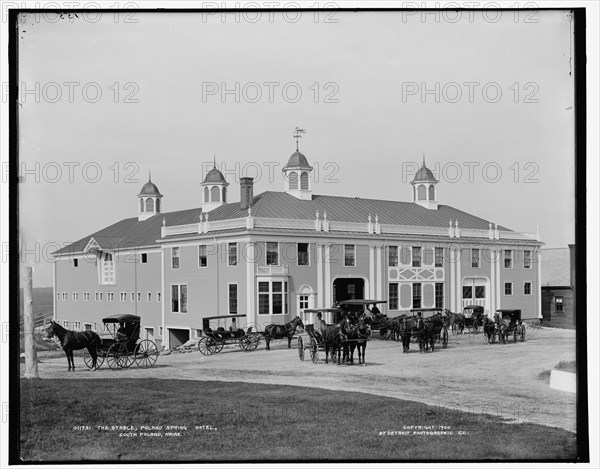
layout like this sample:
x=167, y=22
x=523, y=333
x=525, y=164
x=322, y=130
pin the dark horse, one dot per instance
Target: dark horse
x=357, y=337
x=333, y=339
x=70, y=340
x=278, y=331
x=430, y=329
x=408, y=326
x=489, y=328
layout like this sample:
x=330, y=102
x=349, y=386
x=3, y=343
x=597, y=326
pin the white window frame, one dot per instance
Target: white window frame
x=110, y=296
x=412, y=259
x=512, y=290
x=298, y=255
x=397, y=297
x=57, y=296
x=530, y=288
x=478, y=266
x=435, y=257
x=111, y=277
x=229, y=246
x=511, y=258
x=205, y=255
x=173, y=257
x=412, y=294
x=77, y=325
x=132, y=297
x=353, y=255
x=96, y=296
x=179, y=285
x=267, y=253
x=396, y=257
x=86, y=296
x=237, y=297
x=284, y=292
x=75, y=296
x=158, y=297
x=525, y=266
x=149, y=297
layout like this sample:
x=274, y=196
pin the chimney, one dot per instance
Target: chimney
x=247, y=193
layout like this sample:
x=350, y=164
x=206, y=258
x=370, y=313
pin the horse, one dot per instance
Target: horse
x=385, y=324
x=457, y=321
x=502, y=326
x=431, y=329
x=488, y=328
x=357, y=337
x=278, y=331
x=333, y=339
x=71, y=340
x=408, y=327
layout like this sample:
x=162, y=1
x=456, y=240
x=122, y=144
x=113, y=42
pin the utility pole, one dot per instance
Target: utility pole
x=31, y=367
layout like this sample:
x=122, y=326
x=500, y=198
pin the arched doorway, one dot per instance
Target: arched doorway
x=348, y=289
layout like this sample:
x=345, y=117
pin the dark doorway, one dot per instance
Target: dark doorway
x=348, y=289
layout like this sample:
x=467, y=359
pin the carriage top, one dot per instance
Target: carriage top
x=513, y=314
x=117, y=318
x=361, y=302
x=225, y=316
x=474, y=307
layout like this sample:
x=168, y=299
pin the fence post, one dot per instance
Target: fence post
x=31, y=368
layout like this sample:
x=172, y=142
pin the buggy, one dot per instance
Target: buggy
x=355, y=307
x=213, y=341
x=515, y=327
x=124, y=346
x=440, y=336
x=473, y=317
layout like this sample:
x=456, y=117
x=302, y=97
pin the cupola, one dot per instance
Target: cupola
x=296, y=173
x=214, y=189
x=424, y=188
x=148, y=200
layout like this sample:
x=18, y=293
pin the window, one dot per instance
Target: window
x=75, y=262
x=272, y=297
x=139, y=297
x=508, y=288
x=179, y=298
x=527, y=259
x=416, y=290
x=439, y=258
x=149, y=297
x=303, y=258
x=86, y=296
x=65, y=324
x=175, y=258
x=75, y=296
x=96, y=296
x=304, y=181
x=393, y=257
x=158, y=297
x=65, y=296
x=416, y=259
x=77, y=325
x=475, y=258
x=107, y=266
x=57, y=296
x=202, y=259
x=527, y=288
x=349, y=255
x=303, y=301
x=132, y=296
x=88, y=326
x=467, y=292
x=272, y=253
x=100, y=296
x=558, y=303
x=123, y=296
x=160, y=331
x=439, y=295
x=393, y=296
x=293, y=180
x=110, y=296
x=144, y=258
x=507, y=259
x=232, y=250
x=480, y=291
x=233, y=298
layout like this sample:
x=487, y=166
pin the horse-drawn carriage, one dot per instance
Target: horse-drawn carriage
x=345, y=331
x=506, y=322
x=473, y=317
x=214, y=340
x=124, y=346
x=380, y=322
x=434, y=329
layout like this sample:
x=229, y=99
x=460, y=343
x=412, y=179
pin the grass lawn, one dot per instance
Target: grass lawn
x=72, y=420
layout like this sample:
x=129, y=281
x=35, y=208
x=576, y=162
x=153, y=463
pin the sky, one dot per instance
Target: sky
x=487, y=100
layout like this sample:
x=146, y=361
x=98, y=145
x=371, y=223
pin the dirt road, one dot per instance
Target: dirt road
x=469, y=375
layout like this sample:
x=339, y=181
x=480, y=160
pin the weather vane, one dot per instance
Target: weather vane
x=297, y=135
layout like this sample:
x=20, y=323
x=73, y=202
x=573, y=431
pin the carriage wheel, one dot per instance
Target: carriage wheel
x=444, y=337
x=301, y=348
x=515, y=334
x=126, y=359
x=146, y=354
x=114, y=356
x=314, y=351
x=202, y=346
x=255, y=341
x=220, y=344
x=89, y=361
x=212, y=346
x=247, y=343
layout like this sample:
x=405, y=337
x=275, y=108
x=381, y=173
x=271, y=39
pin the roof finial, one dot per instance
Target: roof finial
x=214, y=161
x=149, y=176
x=297, y=135
x=423, y=159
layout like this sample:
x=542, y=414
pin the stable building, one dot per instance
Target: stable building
x=273, y=255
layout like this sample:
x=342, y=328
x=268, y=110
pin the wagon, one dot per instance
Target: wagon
x=354, y=307
x=124, y=346
x=473, y=317
x=516, y=327
x=213, y=341
x=309, y=340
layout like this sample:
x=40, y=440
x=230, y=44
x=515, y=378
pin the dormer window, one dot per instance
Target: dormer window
x=107, y=269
